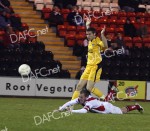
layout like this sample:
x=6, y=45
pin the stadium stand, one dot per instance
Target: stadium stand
x=25, y=50
x=126, y=66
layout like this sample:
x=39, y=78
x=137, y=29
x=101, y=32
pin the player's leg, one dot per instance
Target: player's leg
x=94, y=76
x=90, y=87
x=112, y=94
x=79, y=87
x=132, y=107
x=82, y=82
x=111, y=109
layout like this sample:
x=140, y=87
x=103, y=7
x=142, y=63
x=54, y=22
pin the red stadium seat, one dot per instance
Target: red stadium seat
x=96, y=14
x=112, y=25
x=102, y=21
x=16, y=15
x=114, y=15
x=80, y=39
x=122, y=15
x=65, y=11
x=70, y=36
x=66, y=23
x=31, y=38
x=137, y=40
x=81, y=29
x=70, y=40
x=131, y=14
x=111, y=21
x=61, y=30
x=121, y=22
x=1, y=38
x=71, y=30
x=82, y=33
x=94, y=22
x=46, y=16
x=147, y=23
x=46, y=10
x=62, y=33
x=132, y=19
x=147, y=45
x=129, y=45
x=140, y=14
x=139, y=45
x=46, y=13
x=127, y=39
x=110, y=30
x=65, y=17
x=11, y=9
x=25, y=26
x=2, y=33
x=84, y=12
x=94, y=25
x=146, y=40
x=119, y=30
x=102, y=26
x=148, y=30
x=61, y=27
x=147, y=16
x=98, y=30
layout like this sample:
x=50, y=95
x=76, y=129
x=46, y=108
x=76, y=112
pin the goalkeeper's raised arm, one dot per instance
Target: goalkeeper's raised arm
x=103, y=38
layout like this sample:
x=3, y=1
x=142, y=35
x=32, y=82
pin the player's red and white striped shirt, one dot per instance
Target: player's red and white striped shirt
x=93, y=104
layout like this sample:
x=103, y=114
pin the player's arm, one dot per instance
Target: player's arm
x=88, y=22
x=104, y=38
x=85, y=109
x=70, y=103
x=79, y=111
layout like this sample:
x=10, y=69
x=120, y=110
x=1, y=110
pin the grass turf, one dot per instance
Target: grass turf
x=17, y=114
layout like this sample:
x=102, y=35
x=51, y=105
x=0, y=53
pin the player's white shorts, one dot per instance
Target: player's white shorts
x=109, y=109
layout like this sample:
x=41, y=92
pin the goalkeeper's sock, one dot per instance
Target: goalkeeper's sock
x=75, y=95
x=97, y=92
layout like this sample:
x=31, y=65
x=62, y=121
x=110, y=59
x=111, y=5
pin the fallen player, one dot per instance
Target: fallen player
x=92, y=104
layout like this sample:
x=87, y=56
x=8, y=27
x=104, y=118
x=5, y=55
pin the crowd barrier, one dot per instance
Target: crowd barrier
x=45, y=87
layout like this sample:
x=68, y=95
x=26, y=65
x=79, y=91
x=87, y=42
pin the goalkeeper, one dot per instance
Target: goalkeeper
x=93, y=70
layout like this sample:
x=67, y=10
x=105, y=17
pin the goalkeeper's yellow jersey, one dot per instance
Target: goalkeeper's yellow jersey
x=94, y=51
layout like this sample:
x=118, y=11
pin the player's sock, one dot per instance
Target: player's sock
x=97, y=92
x=132, y=107
x=75, y=95
x=110, y=96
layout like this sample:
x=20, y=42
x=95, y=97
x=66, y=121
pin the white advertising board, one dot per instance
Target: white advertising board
x=43, y=87
x=16, y=87
x=55, y=87
x=148, y=91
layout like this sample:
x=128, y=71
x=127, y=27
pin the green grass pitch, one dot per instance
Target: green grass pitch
x=17, y=114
